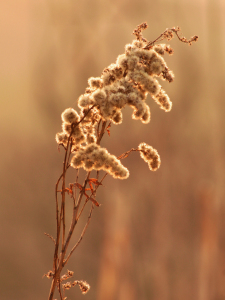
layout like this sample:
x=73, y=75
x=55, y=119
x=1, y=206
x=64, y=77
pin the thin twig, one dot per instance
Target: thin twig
x=51, y=237
x=81, y=237
x=75, y=189
x=168, y=34
x=60, y=292
x=127, y=153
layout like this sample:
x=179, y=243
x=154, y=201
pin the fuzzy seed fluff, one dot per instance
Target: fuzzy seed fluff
x=70, y=116
x=150, y=155
x=97, y=158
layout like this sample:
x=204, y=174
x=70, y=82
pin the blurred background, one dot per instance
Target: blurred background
x=157, y=235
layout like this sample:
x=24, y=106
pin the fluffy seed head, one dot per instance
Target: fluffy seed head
x=160, y=48
x=61, y=138
x=94, y=157
x=163, y=100
x=118, y=100
x=122, y=61
x=99, y=96
x=146, y=116
x=168, y=75
x=132, y=62
x=70, y=116
x=85, y=100
x=117, y=118
x=150, y=155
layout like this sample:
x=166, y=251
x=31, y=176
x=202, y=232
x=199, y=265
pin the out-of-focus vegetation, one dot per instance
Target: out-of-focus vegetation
x=157, y=235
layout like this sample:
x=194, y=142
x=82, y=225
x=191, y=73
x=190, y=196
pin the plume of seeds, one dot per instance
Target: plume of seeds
x=128, y=81
x=97, y=158
x=150, y=155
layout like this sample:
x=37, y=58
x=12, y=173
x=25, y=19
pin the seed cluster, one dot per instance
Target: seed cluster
x=150, y=156
x=97, y=158
x=128, y=81
x=84, y=286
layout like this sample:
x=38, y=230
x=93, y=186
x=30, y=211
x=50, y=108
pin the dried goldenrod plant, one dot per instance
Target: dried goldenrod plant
x=126, y=82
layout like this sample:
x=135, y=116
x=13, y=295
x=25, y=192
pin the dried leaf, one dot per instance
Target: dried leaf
x=107, y=129
x=69, y=191
x=91, y=186
x=95, y=202
x=79, y=186
x=95, y=181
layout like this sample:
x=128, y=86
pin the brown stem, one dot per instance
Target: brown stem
x=127, y=153
x=61, y=219
x=81, y=237
x=101, y=132
x=60, y=292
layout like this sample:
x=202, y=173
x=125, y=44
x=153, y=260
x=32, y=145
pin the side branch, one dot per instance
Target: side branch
x=81, y=237
x=168, y=34
x=126, y=154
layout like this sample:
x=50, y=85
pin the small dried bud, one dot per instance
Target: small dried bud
x=64, y=277
x=70, y=273
x=84, y=286
x=169, y=50
x=67, y=286
x=49, y=274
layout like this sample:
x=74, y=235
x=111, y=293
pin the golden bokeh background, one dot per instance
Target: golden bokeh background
x=157, y=235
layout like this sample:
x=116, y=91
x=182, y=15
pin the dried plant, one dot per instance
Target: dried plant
x=126, y=82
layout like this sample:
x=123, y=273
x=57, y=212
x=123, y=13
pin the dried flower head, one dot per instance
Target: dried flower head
x=67, y=286
x=150, y=156
x=61, y=138
x=84, y=286
x=163, y=100
x=94, y=157
x=70, y=116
